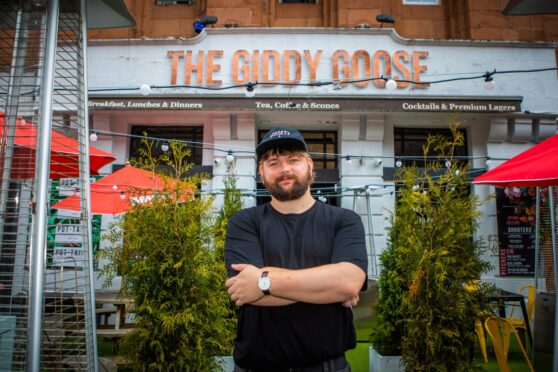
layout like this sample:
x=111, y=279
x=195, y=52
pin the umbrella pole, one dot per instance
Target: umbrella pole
x=553, y=237
x=38, y=245
x=537, y=237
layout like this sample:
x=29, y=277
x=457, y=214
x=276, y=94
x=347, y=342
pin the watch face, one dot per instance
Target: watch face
x=264, y=283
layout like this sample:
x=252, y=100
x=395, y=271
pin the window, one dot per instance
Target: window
x=174, y=2
x=299, y=1
x=322, y=142
x=182, y=133
x=325, y=165
x=408, y=142
x=421, y=2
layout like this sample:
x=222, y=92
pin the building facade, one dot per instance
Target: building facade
x=220, y=90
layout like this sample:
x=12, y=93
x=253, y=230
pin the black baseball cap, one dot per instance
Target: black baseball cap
x=281, y=138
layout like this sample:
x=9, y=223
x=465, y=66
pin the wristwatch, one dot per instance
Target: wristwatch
x=264, y=283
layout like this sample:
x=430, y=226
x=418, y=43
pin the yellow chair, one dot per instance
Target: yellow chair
x=479, y=329
x=520, y=322
x=499, y=330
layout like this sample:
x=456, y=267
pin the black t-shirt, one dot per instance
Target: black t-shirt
x=300, y=334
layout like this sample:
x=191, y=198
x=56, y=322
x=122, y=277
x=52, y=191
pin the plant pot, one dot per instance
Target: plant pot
x=227, y=363
x=380, y=363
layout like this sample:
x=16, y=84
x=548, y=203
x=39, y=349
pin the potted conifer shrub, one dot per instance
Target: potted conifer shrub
x=424, y=310
x=165, y=252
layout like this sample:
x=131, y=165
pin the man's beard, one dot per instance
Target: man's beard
x=298, y=189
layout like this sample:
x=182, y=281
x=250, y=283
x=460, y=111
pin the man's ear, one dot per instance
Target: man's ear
x=311, y=163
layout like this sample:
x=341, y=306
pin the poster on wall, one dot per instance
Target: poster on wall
x=516, y=208
x=65, y=235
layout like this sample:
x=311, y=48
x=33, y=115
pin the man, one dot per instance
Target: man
x=296, y=266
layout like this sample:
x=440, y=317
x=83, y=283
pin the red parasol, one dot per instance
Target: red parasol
x=533, y=167
x=119, y=191
x=64, y=153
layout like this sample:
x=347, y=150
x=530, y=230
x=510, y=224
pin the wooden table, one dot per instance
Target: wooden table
x=122, y=306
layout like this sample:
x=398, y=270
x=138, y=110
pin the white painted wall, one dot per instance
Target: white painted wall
x=133, y=63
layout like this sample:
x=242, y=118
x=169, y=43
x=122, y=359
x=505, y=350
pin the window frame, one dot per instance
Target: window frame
x=400, y=133
x=298, y=2
x=164, y=132
x=421, y=2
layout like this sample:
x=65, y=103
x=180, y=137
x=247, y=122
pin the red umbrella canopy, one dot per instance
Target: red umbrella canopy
x=64, y=153
x=533, y=167
x=118, y=192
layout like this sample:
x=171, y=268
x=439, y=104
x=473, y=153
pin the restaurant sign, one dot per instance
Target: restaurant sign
x=379, y=104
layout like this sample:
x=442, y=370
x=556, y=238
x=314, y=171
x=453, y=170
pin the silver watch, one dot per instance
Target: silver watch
x=264, y=283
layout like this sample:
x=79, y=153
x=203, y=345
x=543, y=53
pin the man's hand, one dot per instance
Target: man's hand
x=353, y=301
x=243, y=288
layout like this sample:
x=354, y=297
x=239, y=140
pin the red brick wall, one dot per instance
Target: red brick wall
x=452, y=19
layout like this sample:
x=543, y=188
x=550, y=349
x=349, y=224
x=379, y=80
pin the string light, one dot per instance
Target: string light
x=93, y=137
x=250, y=90
x=165, y=147
x=489, y=83
x=230, y=157
x=145, y=89
x=377, y=160
x=391, y=83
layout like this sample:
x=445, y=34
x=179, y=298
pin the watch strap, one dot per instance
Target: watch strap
x=265, y=291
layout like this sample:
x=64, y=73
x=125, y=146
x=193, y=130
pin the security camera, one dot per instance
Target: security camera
x=378, y=162
x=217, y=161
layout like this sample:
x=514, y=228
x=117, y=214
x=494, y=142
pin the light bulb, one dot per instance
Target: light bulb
x=250, y=90
x=165, y=147
x=93, y=137
x=122, y=195
x=336, y=86
x=489, y=84
x=447, y=164
x=488, y=162
x=115, y=187
x=145, y=89
x=348, y=159
x=391, y=84
x=371, y=189
x=398, y=163
x=230, y=158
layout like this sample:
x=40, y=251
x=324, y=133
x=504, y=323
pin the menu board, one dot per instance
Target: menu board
x=516, y=208
x=65, y=238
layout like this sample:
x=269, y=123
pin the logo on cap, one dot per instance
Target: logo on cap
x=280, y=133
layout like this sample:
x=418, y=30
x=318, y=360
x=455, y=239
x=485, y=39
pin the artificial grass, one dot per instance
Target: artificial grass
x=359, y=357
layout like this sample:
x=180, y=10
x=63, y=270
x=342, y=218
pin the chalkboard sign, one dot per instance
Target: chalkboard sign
x=516, y=207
